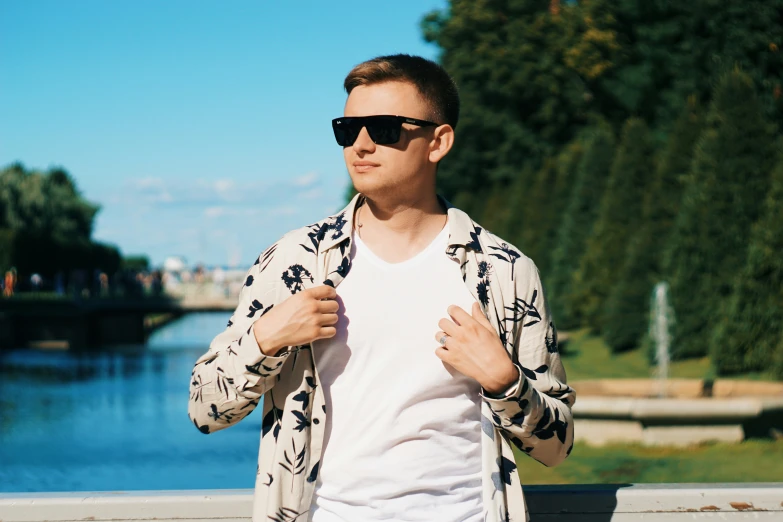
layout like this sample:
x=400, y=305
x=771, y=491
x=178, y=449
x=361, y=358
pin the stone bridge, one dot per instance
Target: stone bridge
x=91, y=323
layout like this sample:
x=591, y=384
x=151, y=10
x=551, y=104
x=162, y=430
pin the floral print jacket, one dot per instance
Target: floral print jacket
x=230, y=379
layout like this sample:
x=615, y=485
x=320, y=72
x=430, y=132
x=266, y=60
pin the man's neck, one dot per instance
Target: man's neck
x=398, y=230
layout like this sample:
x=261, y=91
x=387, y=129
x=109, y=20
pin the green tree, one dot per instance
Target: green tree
x=556, y=198
x=350, y=191
x=537, y=210
x=722, y=199
x=671, y=50
x=45, y=203
x=48, y=224
x=7, y=241
x=534, y=73
x=777, y=360
x=752, y=327
x=619, y=217
x=578, y=220
x=496, y=213
x=627, y=308
x=531, y=215
x=135, y=263
x=520, y=102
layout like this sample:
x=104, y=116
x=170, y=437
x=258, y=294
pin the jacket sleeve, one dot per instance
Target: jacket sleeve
x=535, y=411
x=228, y=381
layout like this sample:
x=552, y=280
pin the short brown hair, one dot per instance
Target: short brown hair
x=432, y=81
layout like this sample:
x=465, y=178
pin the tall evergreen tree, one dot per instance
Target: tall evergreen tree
x=532, y=214
x=554, y=200
x=727, y=182
x=578, y=220
x=538, y=205
x=751, y=330
x=496, y=215
x=777, y=360
x=620, y=215
x=626, y=311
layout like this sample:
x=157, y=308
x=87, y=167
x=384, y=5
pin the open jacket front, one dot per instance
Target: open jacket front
x=230, y=379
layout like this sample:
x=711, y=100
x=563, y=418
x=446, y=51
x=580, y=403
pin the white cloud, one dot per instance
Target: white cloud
x=150, y=190
x=282, y=211
x=313, y=193
x=214, y=212
x=219, y=232
x=148, y=182
x=209, y=194
x=161, y=215
x=306, y=180
x=224, y=185
x=162, y=197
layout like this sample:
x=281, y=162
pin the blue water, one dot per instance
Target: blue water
x=117, y=420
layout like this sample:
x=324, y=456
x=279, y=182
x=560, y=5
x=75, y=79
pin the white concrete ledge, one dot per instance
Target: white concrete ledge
x=679, y=422
x=678, y=388
x=691, y=410
x=563, y=503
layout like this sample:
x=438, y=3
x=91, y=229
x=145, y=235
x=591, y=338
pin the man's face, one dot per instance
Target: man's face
x=402, y=168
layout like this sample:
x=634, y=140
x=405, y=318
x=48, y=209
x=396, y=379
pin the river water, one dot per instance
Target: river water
x=117, y=419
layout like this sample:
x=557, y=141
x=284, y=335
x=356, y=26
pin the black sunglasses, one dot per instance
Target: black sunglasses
x=383, y=129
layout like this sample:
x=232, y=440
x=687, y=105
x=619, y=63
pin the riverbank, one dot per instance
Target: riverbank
x=154, y=322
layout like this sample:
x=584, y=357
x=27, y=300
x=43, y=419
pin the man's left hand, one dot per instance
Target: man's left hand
x=474, y=349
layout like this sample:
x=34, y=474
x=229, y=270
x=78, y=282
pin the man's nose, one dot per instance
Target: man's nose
x=363, y=142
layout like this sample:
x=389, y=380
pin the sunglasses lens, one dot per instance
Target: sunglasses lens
x=384, y=131
x=345, y=131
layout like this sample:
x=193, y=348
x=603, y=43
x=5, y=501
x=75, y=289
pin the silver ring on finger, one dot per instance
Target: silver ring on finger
x=442, y=340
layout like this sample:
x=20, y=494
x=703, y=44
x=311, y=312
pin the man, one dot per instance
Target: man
x=395, y=393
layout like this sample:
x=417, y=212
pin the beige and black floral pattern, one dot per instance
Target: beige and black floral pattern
x=230, y=379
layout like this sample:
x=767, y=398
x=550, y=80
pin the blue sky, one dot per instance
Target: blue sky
x=201, y=128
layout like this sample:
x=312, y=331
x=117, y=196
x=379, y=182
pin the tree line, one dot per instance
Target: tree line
x=46, y=226
x=622, y=143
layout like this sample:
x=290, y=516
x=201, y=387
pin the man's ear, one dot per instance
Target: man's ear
x=442, y=141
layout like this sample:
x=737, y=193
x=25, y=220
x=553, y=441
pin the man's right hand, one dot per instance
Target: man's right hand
x=302, y=318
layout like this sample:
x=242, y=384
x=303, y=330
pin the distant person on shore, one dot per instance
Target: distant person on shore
x=9, y=282
x=400, y=348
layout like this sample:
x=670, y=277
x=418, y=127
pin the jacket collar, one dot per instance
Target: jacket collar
x=337, y=228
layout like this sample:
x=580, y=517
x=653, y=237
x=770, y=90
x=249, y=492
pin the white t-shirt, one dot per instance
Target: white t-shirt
x=402, y=438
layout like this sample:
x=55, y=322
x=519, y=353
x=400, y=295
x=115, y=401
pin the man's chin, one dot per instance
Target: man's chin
x=369, y=187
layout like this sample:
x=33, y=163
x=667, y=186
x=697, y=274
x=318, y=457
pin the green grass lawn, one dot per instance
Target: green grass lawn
x=749, y=461
x=588, y=357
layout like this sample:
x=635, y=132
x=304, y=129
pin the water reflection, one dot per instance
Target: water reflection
x=117, y=419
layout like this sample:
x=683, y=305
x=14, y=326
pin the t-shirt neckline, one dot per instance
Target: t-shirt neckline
x=440, y=239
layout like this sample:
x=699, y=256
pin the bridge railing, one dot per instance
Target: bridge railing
x=561, y=503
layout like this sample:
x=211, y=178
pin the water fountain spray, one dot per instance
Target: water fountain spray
x=661, y=323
